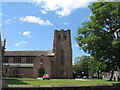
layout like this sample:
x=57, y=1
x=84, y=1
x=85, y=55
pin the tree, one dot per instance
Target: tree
x=87, y=66
x=97, y=37
x=81, y=66
x=76, y=70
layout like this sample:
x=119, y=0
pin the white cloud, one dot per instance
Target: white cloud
x=62, y=7
x=8, y=21
x=1, y=14
x=27, y=33
x=19, y=32
x=33, y=19
x=76, y=45
x=19, y=43
x=65, y=23
x=43, y=11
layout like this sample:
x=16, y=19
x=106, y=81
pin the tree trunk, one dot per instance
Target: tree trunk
x=98, y=75
x=111, y=76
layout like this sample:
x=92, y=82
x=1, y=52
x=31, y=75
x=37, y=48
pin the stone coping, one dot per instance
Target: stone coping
x=52, y=86
x=18, y=64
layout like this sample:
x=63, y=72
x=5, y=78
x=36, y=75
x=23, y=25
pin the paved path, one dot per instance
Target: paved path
x=29, y=86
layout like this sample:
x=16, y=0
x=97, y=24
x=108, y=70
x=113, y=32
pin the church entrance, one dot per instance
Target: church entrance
x=41, y=71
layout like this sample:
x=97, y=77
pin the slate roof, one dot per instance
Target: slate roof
x=29, y=53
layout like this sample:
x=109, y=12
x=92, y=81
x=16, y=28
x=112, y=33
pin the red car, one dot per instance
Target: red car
x=46, y=76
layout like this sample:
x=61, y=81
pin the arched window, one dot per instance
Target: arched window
x=6, y=70
x=62, y=57
x=65, y=37
x=59, y=37
x=41, y=59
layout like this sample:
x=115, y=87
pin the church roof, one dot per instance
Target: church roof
x=29, y=53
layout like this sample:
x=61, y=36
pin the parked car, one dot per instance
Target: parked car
x=46, y=76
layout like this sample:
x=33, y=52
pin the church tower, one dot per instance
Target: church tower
x=63, y=53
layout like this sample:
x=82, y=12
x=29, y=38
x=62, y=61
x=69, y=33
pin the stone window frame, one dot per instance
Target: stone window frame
x=62, y=56
x=59, y=37
x=30, y=60
x=41, y=59
x=17, y=60
x=6, y=60
x=65, y=37
x=6, y=70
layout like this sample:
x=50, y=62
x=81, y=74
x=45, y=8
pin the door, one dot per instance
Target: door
x=41, y=71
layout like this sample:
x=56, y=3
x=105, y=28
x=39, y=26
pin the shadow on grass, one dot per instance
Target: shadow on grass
x=15, y=82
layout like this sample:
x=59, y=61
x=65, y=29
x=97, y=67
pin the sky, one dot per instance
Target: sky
x=31, y=25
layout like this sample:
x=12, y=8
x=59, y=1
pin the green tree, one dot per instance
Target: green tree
x=81, y=65
x=87, y=66
x=77, y=70
x=98, y=38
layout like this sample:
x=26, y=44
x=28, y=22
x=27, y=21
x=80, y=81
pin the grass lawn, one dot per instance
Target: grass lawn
x=30, y=81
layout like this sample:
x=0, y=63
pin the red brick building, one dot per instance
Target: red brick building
x=32, y=64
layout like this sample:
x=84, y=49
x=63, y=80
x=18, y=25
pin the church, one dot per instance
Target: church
x=35, y=63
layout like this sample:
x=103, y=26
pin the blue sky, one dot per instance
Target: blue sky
x=31, y=25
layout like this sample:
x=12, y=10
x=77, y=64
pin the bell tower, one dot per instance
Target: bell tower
x=63, y=53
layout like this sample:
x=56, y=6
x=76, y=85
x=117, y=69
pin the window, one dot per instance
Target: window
x=65, y=37
x=6, y=70
x=62, y=72
x=17, y=60
x=59, y=37
x=29, y=59
x=62, y=56
x=41, y=59
x=5, y=60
